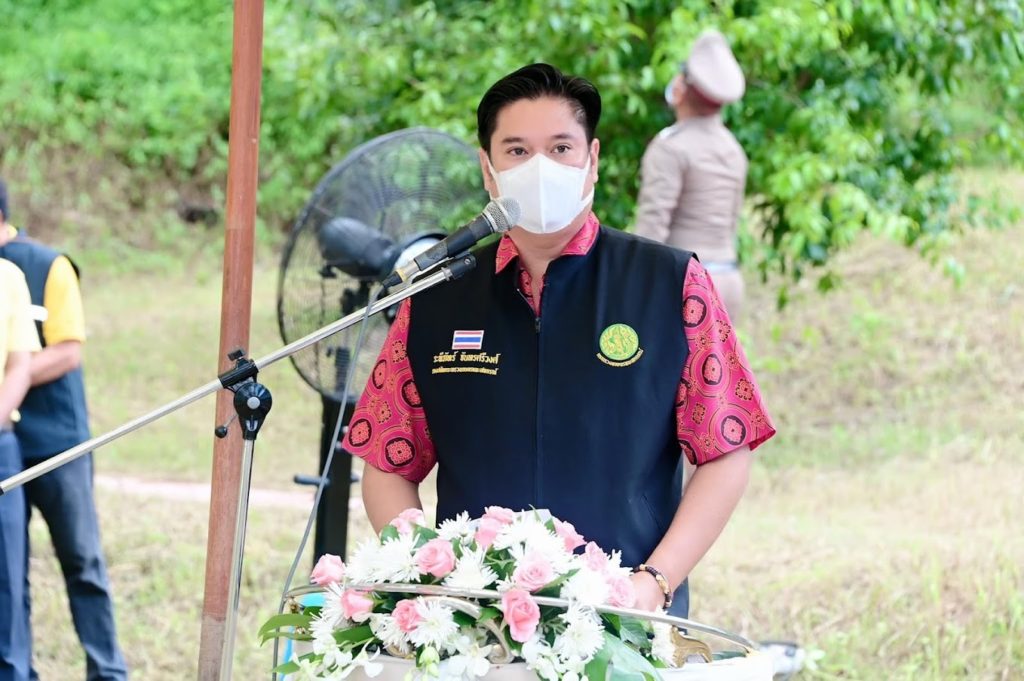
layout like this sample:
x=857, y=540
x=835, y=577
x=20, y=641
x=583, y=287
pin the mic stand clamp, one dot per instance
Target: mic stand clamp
x=252, y=402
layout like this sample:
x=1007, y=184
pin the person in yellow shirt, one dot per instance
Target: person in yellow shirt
x=17, y=342
x=54, y=418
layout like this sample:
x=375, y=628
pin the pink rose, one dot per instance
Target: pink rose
x=594, y=558
x=621, y=592
x=436, y=557
x=533, y=572
x=521, y=614
x=356, y=605
x=503, y=515
x=328, y=569
x=573, y=539
x=407, y=615
x=407, y=518
x=486, y=531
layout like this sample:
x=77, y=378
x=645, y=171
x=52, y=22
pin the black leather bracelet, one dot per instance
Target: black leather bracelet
x=660, y=579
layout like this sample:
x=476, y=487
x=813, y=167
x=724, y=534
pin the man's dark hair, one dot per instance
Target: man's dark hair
x=3, y=201
x=533, y=82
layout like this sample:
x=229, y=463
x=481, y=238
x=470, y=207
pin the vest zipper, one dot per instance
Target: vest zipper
x=538, y=488
x=536, y=317
x=536, y=435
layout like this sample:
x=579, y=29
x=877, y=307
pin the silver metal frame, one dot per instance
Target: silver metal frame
x=489, y=594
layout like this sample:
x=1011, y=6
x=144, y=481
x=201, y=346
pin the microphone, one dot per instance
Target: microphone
x=499, y=216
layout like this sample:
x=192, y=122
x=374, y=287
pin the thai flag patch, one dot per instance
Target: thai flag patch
x=467, y=340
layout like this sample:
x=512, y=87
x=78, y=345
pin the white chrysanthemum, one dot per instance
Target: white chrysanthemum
x=362, y=566
x=396, y=560
x=615, y=563
x=504, y=585
x=437, y=628
x=458, y=528
x=331, y=611
x=583, y=635
x=525, y=528
x=662, y=647
x=321, y=628
x=587, y=587
x=528, y=533
x=551, y=549
x=471, y=573
x=386, y=630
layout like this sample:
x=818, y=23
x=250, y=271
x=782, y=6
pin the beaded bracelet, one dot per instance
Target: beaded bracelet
x=660, y=579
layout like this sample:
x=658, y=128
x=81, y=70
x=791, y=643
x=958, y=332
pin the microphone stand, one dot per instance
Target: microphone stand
x=252, y=402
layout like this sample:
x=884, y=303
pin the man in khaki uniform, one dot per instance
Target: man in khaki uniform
x=694, y=172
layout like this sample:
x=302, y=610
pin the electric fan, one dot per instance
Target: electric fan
x=387, y=201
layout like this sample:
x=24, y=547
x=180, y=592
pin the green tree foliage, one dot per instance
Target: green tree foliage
x=847, y=118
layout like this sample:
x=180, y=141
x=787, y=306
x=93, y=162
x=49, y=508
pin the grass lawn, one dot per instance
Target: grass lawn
x=882, y=526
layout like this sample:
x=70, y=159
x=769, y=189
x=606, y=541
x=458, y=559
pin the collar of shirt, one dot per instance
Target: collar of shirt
x=580, y=244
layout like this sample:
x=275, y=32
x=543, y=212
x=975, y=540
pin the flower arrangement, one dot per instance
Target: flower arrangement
x=518, y=559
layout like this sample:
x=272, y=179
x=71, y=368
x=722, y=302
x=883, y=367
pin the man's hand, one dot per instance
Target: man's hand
x=648, y=594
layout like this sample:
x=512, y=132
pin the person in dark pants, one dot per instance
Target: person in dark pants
x=17, y=342
x=54, y=418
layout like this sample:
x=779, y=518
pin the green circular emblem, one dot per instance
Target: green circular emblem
x=619, y=342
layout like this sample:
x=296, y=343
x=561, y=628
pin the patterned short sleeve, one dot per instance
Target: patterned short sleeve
x=388, y=429
x=718, y=407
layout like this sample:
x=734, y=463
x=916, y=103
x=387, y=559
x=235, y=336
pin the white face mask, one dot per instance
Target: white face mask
x=669, y=99
x=549, y=193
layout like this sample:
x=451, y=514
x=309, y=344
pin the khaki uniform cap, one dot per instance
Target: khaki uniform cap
x=713, y=71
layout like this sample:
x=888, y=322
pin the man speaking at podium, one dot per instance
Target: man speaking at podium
x=570, y=369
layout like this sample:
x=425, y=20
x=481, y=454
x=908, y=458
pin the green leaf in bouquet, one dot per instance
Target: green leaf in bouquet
x=554, y=588
x=354, y=635
x=463, y=620
x=288, y=619
x=597, y=668
x=626, y=663
x=612, y=622
x=487, y=614
x=634, y=632
x=291, y=635
x=423, y=535
x=289, y=667
x=389, y=533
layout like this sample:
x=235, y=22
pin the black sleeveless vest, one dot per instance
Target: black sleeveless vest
x=54, y=416
x=573, y=411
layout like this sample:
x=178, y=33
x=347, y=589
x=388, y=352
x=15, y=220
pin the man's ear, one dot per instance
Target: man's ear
x=490, y=184
x=595, y=157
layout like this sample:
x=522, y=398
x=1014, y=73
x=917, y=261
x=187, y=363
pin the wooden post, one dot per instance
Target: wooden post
x=235, y=316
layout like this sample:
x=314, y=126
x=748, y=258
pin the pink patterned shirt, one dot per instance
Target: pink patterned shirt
x=718, y=406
